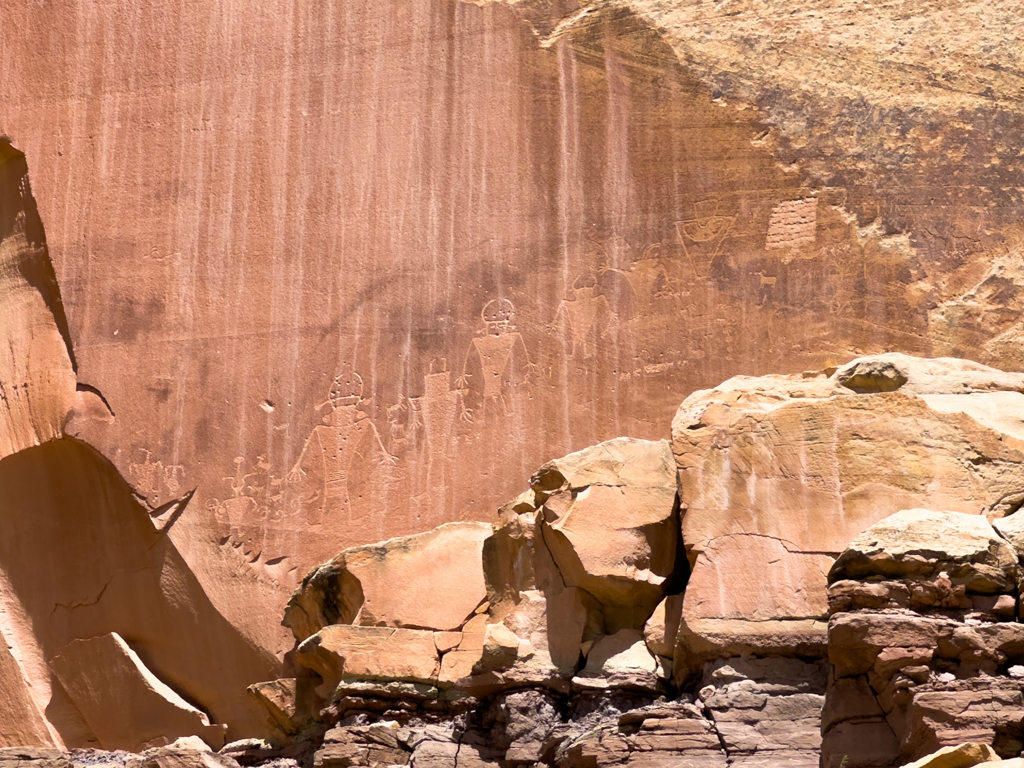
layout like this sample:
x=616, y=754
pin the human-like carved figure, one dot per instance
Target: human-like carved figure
x=649, y=278
x=703, y=235
x=156, y=481
x=347, y=442
x=585, y=317
x=497, y=366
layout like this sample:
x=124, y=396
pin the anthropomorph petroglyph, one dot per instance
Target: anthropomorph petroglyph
x=497, y=366
x=345, y=443
x=703, y=235
x=156, y=481
x=584, y=318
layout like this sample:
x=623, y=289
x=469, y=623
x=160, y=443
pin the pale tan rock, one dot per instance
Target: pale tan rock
x=923, y=376
x=500, y=648
x=700, y=640
x=617, y=543
x=431, y=580
x=511, y=555
x=175, y=756
x=554, y=625
x=962, y=756
x=446, y=641
x=458, y=664
x=528, y=594
x=1011, y=528
x=34, y=757
x=125, y=704
x=610, y=524
x=291, y=702
x=621, y=462
x=661, y=629
x=788, y=470
x=344, y=652
x=788, y=584
x=619, y=660
x=921, y=544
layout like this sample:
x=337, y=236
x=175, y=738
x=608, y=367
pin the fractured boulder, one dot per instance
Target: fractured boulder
x=343, y=652
x=919, y=544
x=784, y=471
x=922, y=642
x=439, y=572
x=609, y=519
x=124, y=703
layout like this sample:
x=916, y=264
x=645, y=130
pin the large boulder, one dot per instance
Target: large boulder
x=920, y=544
x=621, y=660
x=124, y=703
x=960, y=756
x=924, y=646
x=291, y=702
x=343, y=652
x=766, y=708
x=784, y=471
x=609, y=519
x=431, y=580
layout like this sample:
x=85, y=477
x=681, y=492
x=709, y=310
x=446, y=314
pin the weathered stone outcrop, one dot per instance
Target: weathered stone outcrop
x=349, y=271
x=558, y=595
x=591, y=624
x=924, y=642
x=359, y=586
x=82, y=560
x=784, y=471
x=124, y=703
x=346, y=296
x=609, y=517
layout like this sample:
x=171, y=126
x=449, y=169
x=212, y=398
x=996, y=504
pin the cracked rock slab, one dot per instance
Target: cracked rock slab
x=430, y=580
x=921, y=543
x=344, y=652
x=125, y=704
x=783, y=472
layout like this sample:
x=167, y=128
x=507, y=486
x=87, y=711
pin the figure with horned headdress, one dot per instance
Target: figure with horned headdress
x=347, y=444
x=497, y=366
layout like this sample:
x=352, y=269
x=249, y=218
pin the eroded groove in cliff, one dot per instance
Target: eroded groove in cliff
x=18, y=211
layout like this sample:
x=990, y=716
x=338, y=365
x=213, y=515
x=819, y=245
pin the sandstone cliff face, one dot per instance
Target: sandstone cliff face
x=81, y=559
x=787, y=470
x=314, y=277
x=317, y=260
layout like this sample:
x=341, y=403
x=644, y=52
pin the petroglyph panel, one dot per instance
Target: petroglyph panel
x=793, y=223
x=369, y=271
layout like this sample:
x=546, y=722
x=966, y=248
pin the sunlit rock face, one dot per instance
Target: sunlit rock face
x=349, y=272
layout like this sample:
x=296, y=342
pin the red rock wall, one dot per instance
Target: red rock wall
x=352, y=271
